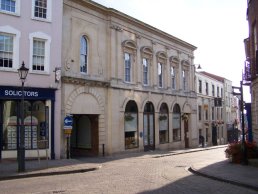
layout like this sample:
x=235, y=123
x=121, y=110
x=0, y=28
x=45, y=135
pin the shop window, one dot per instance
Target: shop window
x=163, y=124
x=176, y=123
x=36, y=122
x=131, y=125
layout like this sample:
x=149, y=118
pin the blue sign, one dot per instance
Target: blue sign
x=12, y=92
x=68, y=121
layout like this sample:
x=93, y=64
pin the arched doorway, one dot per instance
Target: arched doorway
x=84, y=138
x=148, y=127
x=131, y=125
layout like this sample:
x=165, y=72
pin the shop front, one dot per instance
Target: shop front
x=38, y=121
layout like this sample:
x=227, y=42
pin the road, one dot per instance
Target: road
x=146, y=173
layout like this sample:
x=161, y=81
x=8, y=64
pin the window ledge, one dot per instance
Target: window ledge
x=41, y=19
x=10, y=13
x=39, y=72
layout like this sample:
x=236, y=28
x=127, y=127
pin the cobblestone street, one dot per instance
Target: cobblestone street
x=133, y=173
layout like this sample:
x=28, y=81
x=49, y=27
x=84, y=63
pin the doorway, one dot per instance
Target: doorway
x=186, y=129
x=148, y=127
x=85, y=138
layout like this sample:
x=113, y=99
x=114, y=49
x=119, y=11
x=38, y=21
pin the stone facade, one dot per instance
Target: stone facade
x=105, y=81
x=251, y=65
x=214, y=120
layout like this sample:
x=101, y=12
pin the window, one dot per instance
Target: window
x=218, y=91
x=146, y=56
x=200, y=113
x=36, y=122
x=10, y=6
x=145, y=64
x=206, y=115
x=9, y=48
x=176, y=123
x=173, y=77
x=40, y=52
x=131, y=125
x=221, y=92
x=160, y=74
x=41, y=9
x=84, y=55
x=184, y=80
x=213, y=90
x=127, y=67
x=207, y=88
x=200, y=86
x=38, y=62
x=6, y=50
x=212, y=113
x=163, y=124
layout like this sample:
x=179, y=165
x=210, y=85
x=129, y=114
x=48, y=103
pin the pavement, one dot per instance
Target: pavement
x=237, y=174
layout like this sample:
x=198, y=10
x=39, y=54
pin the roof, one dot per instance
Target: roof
x=218, y=78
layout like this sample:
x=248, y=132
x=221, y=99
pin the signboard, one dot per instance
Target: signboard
x=68, y=124
x=11, y=92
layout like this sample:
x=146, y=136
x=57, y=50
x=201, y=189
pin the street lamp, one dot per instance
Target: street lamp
x=244, y=148
x=23, y=71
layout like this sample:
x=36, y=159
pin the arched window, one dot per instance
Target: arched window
x=129, y=51
x=131, y=125
x=176, y=123
x=162, y=60
x=163, y=123
x=146, y=53
x=84, y=55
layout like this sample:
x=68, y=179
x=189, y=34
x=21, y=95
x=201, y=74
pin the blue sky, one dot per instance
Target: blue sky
x=216, y=27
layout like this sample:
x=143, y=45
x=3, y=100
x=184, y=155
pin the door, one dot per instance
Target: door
x=84, y=138
x=186, y=129
x=148, y=127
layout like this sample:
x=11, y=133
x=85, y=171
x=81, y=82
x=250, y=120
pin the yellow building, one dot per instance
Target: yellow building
x=127, y=85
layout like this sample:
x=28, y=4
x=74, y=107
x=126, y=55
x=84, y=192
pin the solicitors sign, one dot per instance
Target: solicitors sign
x=10, y=92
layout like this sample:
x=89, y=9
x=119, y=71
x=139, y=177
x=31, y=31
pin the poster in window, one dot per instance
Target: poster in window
x=163, y=122
x=130, y=122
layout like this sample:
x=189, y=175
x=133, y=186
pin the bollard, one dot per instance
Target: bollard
x=103, y=150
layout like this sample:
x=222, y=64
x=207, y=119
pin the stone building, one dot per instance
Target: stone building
x=251, y=63
x=127, y=85
x=214, y=107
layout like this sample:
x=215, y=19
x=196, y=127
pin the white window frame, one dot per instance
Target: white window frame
x=49, y=12
x=16, y=40
x=130, y=70
x=184, y=80
x=145, y=72
x=47, y=38
x=17, y=9
x=87, y=54
x=173, y=77
x=160, y=75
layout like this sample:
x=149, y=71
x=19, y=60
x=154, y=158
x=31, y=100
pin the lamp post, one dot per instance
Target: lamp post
x=23, y=71
x=244, y=149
